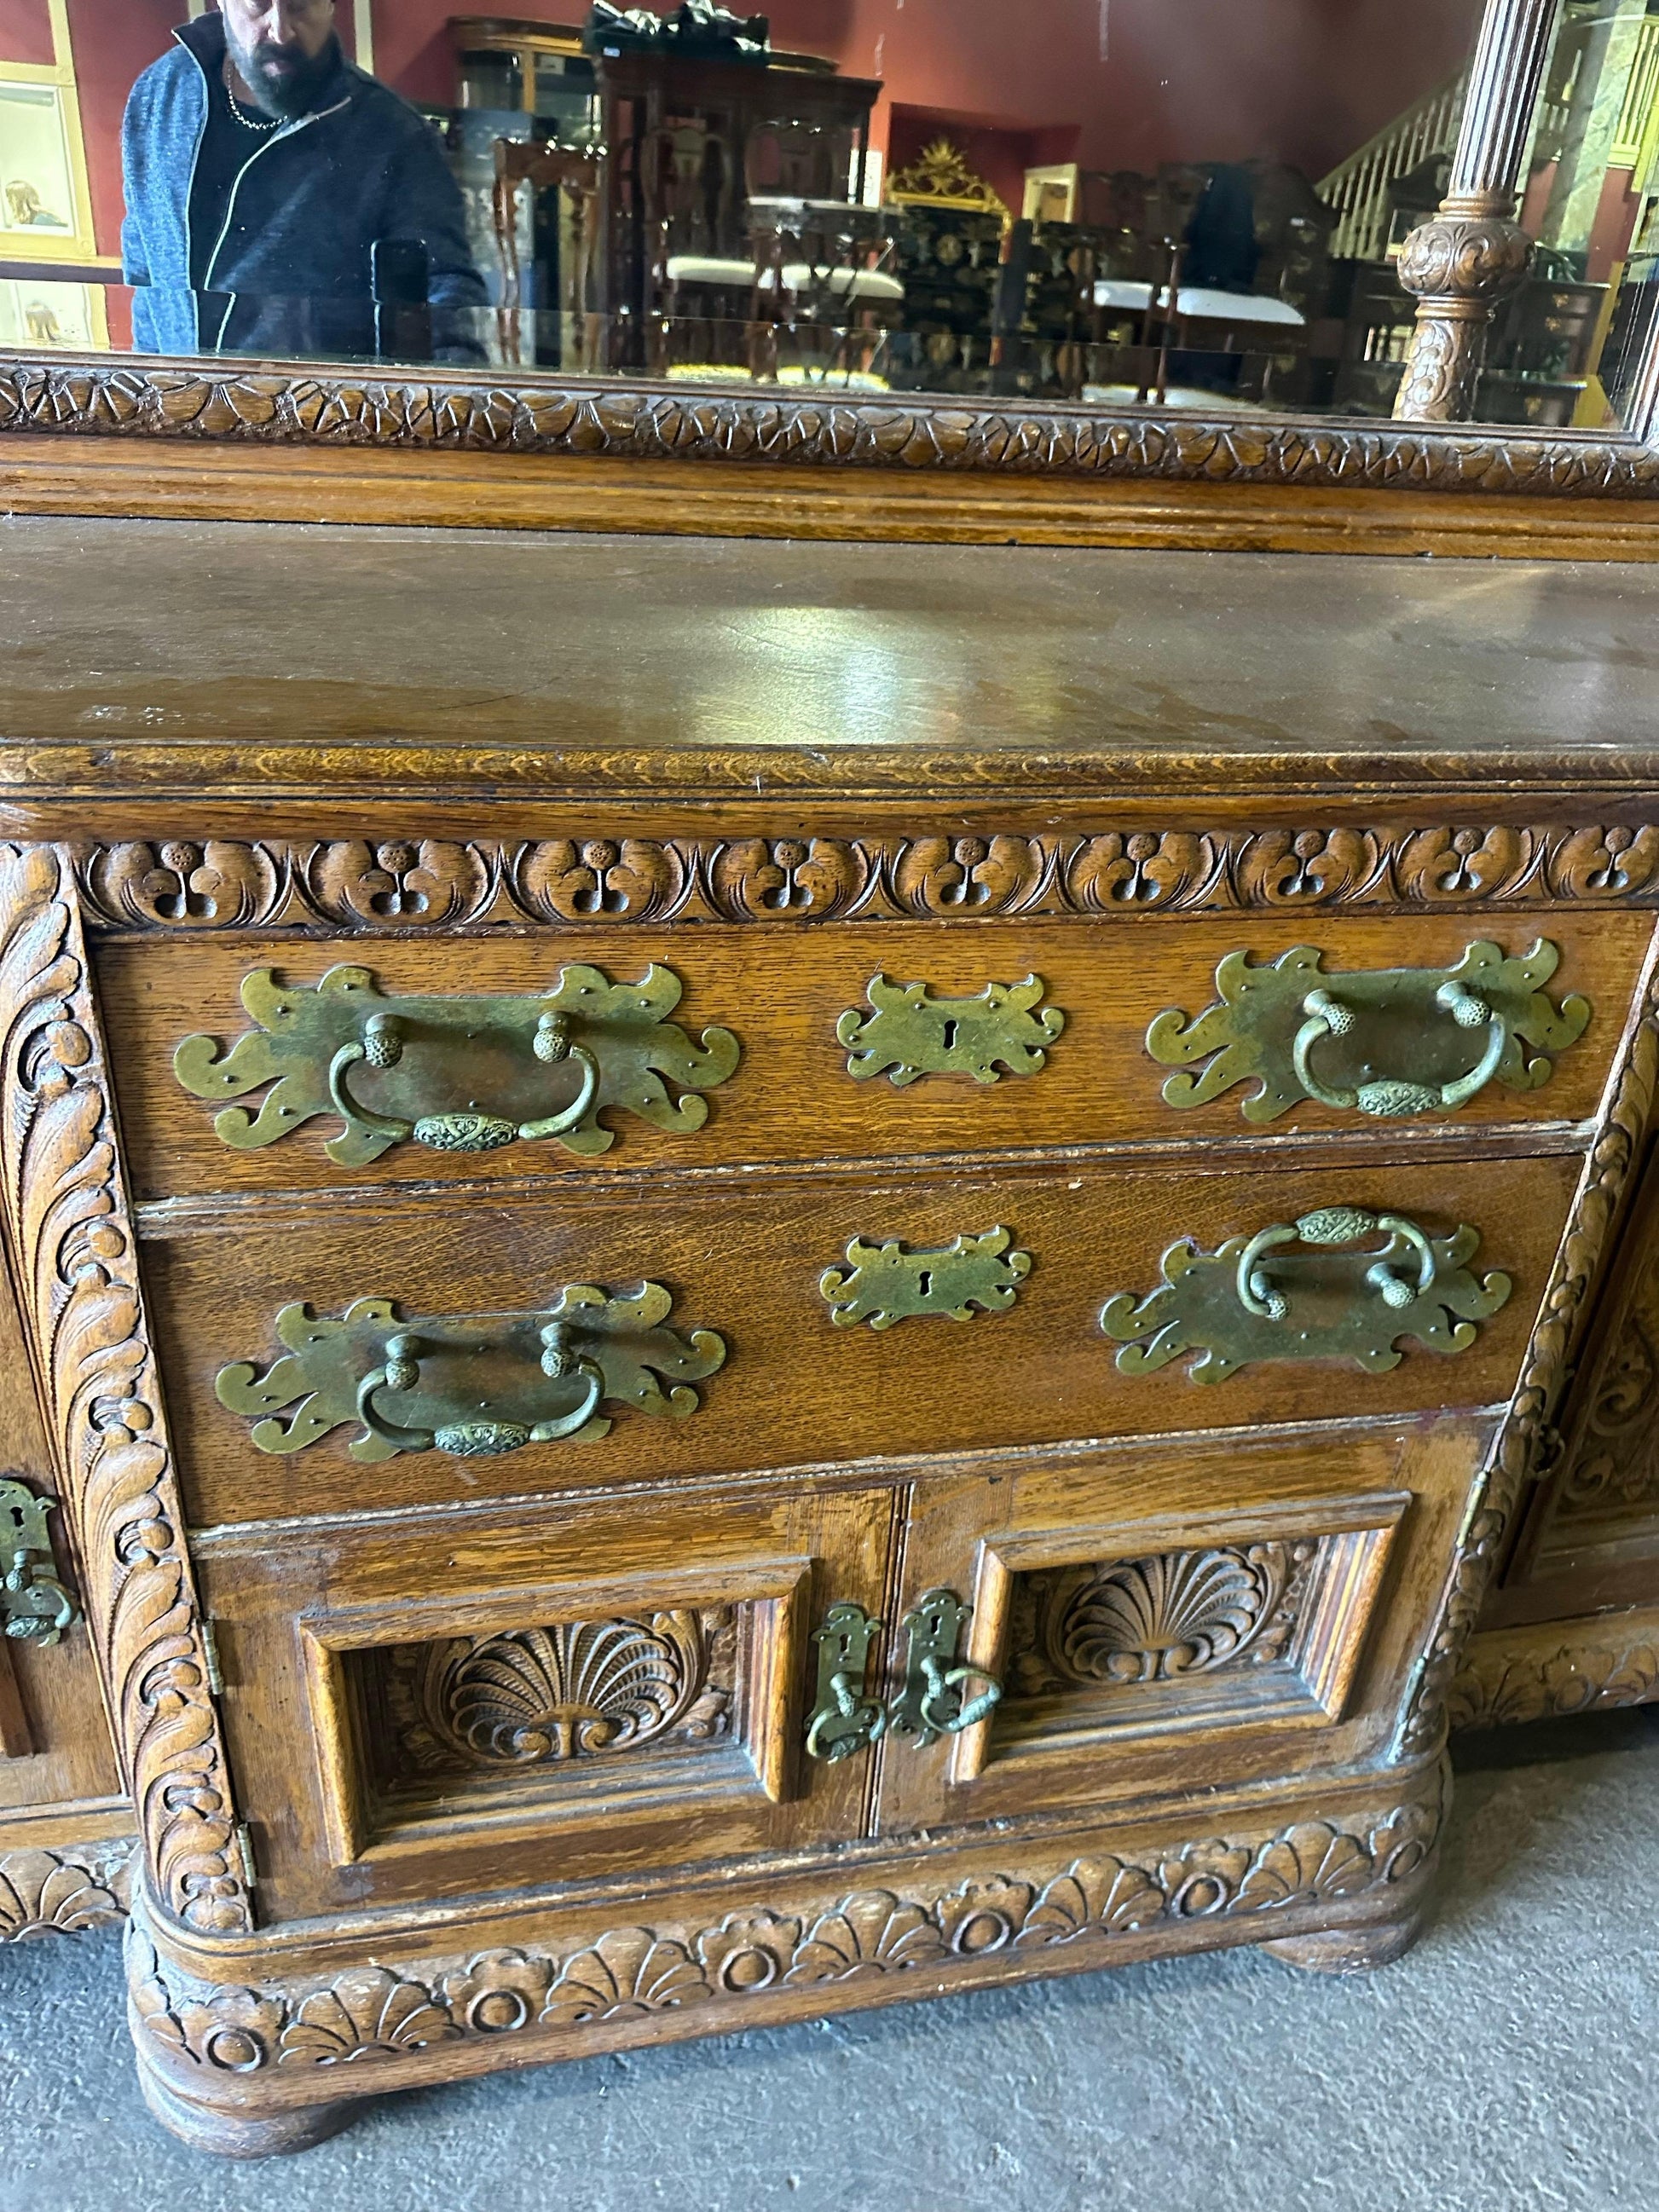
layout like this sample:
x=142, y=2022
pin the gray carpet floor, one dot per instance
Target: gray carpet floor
x=1506, y=2065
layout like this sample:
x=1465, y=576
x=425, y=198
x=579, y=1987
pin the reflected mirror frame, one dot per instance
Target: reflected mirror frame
x=1461, y=264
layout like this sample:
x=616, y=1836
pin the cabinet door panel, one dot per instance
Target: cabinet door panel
x=439, y=1706
x=1177, y=1617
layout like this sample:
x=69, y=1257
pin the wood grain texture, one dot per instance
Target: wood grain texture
x=796, y=1391
x=792, y=1097
x=71, y=1247
x=769, y=675
x=165, y=479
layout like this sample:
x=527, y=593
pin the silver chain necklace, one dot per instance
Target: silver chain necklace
x=248, y=122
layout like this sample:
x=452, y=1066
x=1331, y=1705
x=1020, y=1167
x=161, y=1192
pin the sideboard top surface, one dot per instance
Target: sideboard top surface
x=245, y=660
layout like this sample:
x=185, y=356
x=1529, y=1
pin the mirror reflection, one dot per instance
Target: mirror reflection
x=1110, y=201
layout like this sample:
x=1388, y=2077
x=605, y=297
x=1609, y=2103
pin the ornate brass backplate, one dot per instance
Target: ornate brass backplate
x=1342, y=1298
x=461, y=1074
x=932, y=1699
x=35, y=1605
x=1401, y=1040
x=472, y=1384
x=885, y=1283
x=911, y=1033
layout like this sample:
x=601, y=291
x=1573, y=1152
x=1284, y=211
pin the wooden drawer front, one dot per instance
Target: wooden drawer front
x=426, y=1708
x=791, y=1095
x=1221, y=1613
x=796, y=1389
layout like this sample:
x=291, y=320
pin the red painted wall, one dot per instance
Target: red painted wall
x=1301, y=81
x=25, y=32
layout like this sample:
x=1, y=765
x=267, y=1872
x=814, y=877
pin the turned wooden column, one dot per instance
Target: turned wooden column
x=1472, y=252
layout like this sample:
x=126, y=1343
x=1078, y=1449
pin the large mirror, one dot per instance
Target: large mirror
x=1112, y=201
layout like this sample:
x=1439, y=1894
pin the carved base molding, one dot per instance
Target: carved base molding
x=62, y=1892
x=394, y=885
x=1557, y=1668
x=713, y=1964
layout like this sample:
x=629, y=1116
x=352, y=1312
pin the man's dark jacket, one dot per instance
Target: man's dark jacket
x=312, y=199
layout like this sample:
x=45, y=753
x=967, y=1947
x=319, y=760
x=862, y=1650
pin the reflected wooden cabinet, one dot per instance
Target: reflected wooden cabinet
x=685, y=1378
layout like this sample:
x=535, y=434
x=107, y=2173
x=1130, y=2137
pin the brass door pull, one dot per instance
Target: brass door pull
x=34, y=1606
x=1329, y=1016
x=477, y=1437
x=843, y=1720
x=932, y=1700
x=382, y=1045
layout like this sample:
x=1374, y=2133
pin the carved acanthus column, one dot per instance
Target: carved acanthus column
x=1469, y=255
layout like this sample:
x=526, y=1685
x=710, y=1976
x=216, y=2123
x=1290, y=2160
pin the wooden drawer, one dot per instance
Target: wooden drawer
x=782, y=994
x=795, y=1389
x=445, y=1704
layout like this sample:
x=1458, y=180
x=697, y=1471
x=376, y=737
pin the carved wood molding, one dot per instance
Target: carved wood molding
x=199, y=2031
x=387, y=885
x=1528, y=1444
x=102, y=395
x=1560, y=1668
x=62, y=1892
x=74, y=1257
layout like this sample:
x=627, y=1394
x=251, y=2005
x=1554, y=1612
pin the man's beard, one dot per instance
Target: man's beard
x=284, y=81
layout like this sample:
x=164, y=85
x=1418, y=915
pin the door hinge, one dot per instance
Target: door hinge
x=245, y=1847
x=216, y=1673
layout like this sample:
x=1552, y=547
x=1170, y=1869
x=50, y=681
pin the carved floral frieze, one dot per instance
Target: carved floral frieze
x=359, y=886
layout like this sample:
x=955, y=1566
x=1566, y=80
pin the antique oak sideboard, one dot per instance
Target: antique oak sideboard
x=765, y=1277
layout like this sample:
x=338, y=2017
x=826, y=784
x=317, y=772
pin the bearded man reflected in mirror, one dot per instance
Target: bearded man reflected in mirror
x=262, y=171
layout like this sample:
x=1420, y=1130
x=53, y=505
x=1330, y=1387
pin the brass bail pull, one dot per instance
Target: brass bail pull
x=843, y=1720
x=473, y=1436
x=381, y=1046
x=1329, y=1016
x=1335, y=1225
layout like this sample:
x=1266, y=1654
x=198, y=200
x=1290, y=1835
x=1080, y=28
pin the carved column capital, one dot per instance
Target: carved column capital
x=1467, y=257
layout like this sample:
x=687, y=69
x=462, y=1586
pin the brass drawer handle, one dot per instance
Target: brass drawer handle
x=1273, y=1024
x=932, y=1700
x=1331, y=1225
x=474, y=1437
x=1330, y=1016
x=382, y=1046
x=1255, y=1299
x=319, y=1047
x=35, y=1605
x=482, y=1377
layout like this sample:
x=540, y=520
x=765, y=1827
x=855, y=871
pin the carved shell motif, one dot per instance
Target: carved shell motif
x=542, y=1695
x=1176, y=1612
